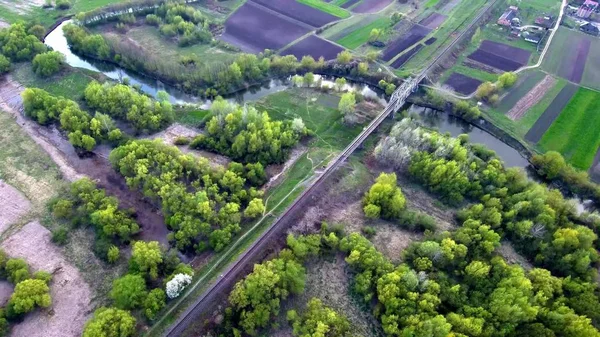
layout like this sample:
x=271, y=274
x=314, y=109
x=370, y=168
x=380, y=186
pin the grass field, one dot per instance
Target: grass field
x=361, y=35
x=155, y=44
x=345, y=27
x=192, y=118
x=532, y=115
x=327, y=8
x=431, y=3
x=318, y=111
x=69, y=83
x=591, y=73
x=575, y=132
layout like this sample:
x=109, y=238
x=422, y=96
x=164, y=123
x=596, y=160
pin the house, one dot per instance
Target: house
x=545, y=21
x=533, y=37
x=507, y=17
x=588, y=7
x=590, y=28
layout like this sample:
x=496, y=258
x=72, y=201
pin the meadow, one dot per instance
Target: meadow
x=575, y=132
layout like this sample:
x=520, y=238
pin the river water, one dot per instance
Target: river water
x=431, y=118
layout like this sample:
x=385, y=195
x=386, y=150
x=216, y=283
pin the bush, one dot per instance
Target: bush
x=113, y=254
x=4, y=64
x=28, y=294
x=369, y=231
x=181, y=140
x=63, y=4
x=385, y=198
x=415, y=220
x=48, y=63
x=129, y=291
x=60, y=236
x=110, y=322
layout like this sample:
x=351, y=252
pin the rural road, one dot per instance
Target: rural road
x=280, y=225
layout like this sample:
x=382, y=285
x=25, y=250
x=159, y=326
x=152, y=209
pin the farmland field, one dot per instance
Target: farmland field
x=500, y=56
x=298, y=11
x=371, y=6
x=327, y=8
x=573, y=56
x=361, y=35
x=254, y=29
x=575, y=132
x=315, y=47
x=433, y=21
x=462, y=83
x=414, y=35
x=399, y=62
x=524, y=85
x=553, y=110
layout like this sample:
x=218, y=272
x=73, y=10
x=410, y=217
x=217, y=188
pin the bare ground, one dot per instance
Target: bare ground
x=508, y=252
x=20, y=6
x=275, y=172
x=6, y=290
x=13, y=205
x=10, y=101
x=71, y=295
x=532, y=98
x=3, y=24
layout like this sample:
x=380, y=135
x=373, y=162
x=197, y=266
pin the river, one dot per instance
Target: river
x=431, y=118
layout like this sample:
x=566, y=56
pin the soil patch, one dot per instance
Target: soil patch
x=371, y=6
x=547, y=118
x=500, y=55
x=508, y=252
x=462, y=84
x=6, y=290
x=13, y=205
x=433, y=21
x=532, y=98
x=578, y=66
x=275, y=172
x=400, y=61
x=71, y=295
x=405, y=41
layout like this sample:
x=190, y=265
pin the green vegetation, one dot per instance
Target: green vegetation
x=361, y=35
x=193, y=118
x=532, y=115
x=574, y=133
x=384, y=199
x=244, y=134
x=327, y=8
x=431, y=3
x=69, y=83
x=527, y=83
x=48, y=64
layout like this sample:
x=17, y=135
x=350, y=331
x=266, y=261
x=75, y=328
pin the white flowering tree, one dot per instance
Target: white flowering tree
x=177, y=284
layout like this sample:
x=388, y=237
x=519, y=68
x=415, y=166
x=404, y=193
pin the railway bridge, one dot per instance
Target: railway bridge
x=259, y=247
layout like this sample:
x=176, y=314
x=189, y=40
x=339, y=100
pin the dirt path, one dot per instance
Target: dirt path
x=11, y=102
x=532, y=98
x=13, y=205
x=71, y=295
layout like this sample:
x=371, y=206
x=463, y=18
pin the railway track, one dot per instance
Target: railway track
x=226, y=279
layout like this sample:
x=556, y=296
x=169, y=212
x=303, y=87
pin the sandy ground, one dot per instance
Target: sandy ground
x=10, y=101
x=277, y=171
x=13, y=205
x=71, y=296
x=6, y=290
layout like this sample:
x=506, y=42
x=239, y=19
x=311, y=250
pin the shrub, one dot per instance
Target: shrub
x=113, y=254
x=182, y=140
x=63, y=4
x=17, y=270
x=154, y=302
x=415, y=220
x=177, y=284
x=110, y=322
x=63, y=209
x=60, y=236
x=129, y=291
x=48, y=63
x=4, y=64
x=28, y=294
x=385, y=198
x=369, y=231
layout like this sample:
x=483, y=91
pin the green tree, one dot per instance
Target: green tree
x=344, y=57
x=507, y=80
x=308, y=79
x=29, y=294
x=4, y=64
x=385, y=196
x=17, y=270
x=374, y=35
x=48, y=63
x=154, y=303
x=113, y=254
x=550, y=164
x=110, y=322
x=129, y=291
x=340, y=82
x=363, y=68
x=255, y=208
x=347, y=103
x=319, y=320
x=146, y=258
x=485, y=90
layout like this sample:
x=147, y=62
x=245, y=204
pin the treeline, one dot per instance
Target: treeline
x=30, y=291
x=125, y=103
x=204, y=207
x=19, y=43
x=85, y=205
x=154, y=276
x=553, y=167
x=209, y=79
x=245, y=135
x=83, y=130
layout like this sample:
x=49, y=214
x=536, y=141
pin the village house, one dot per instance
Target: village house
x=545, y=21
x=507, y=17
x=533, y=37
x=588, y=7
x=590, y=28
